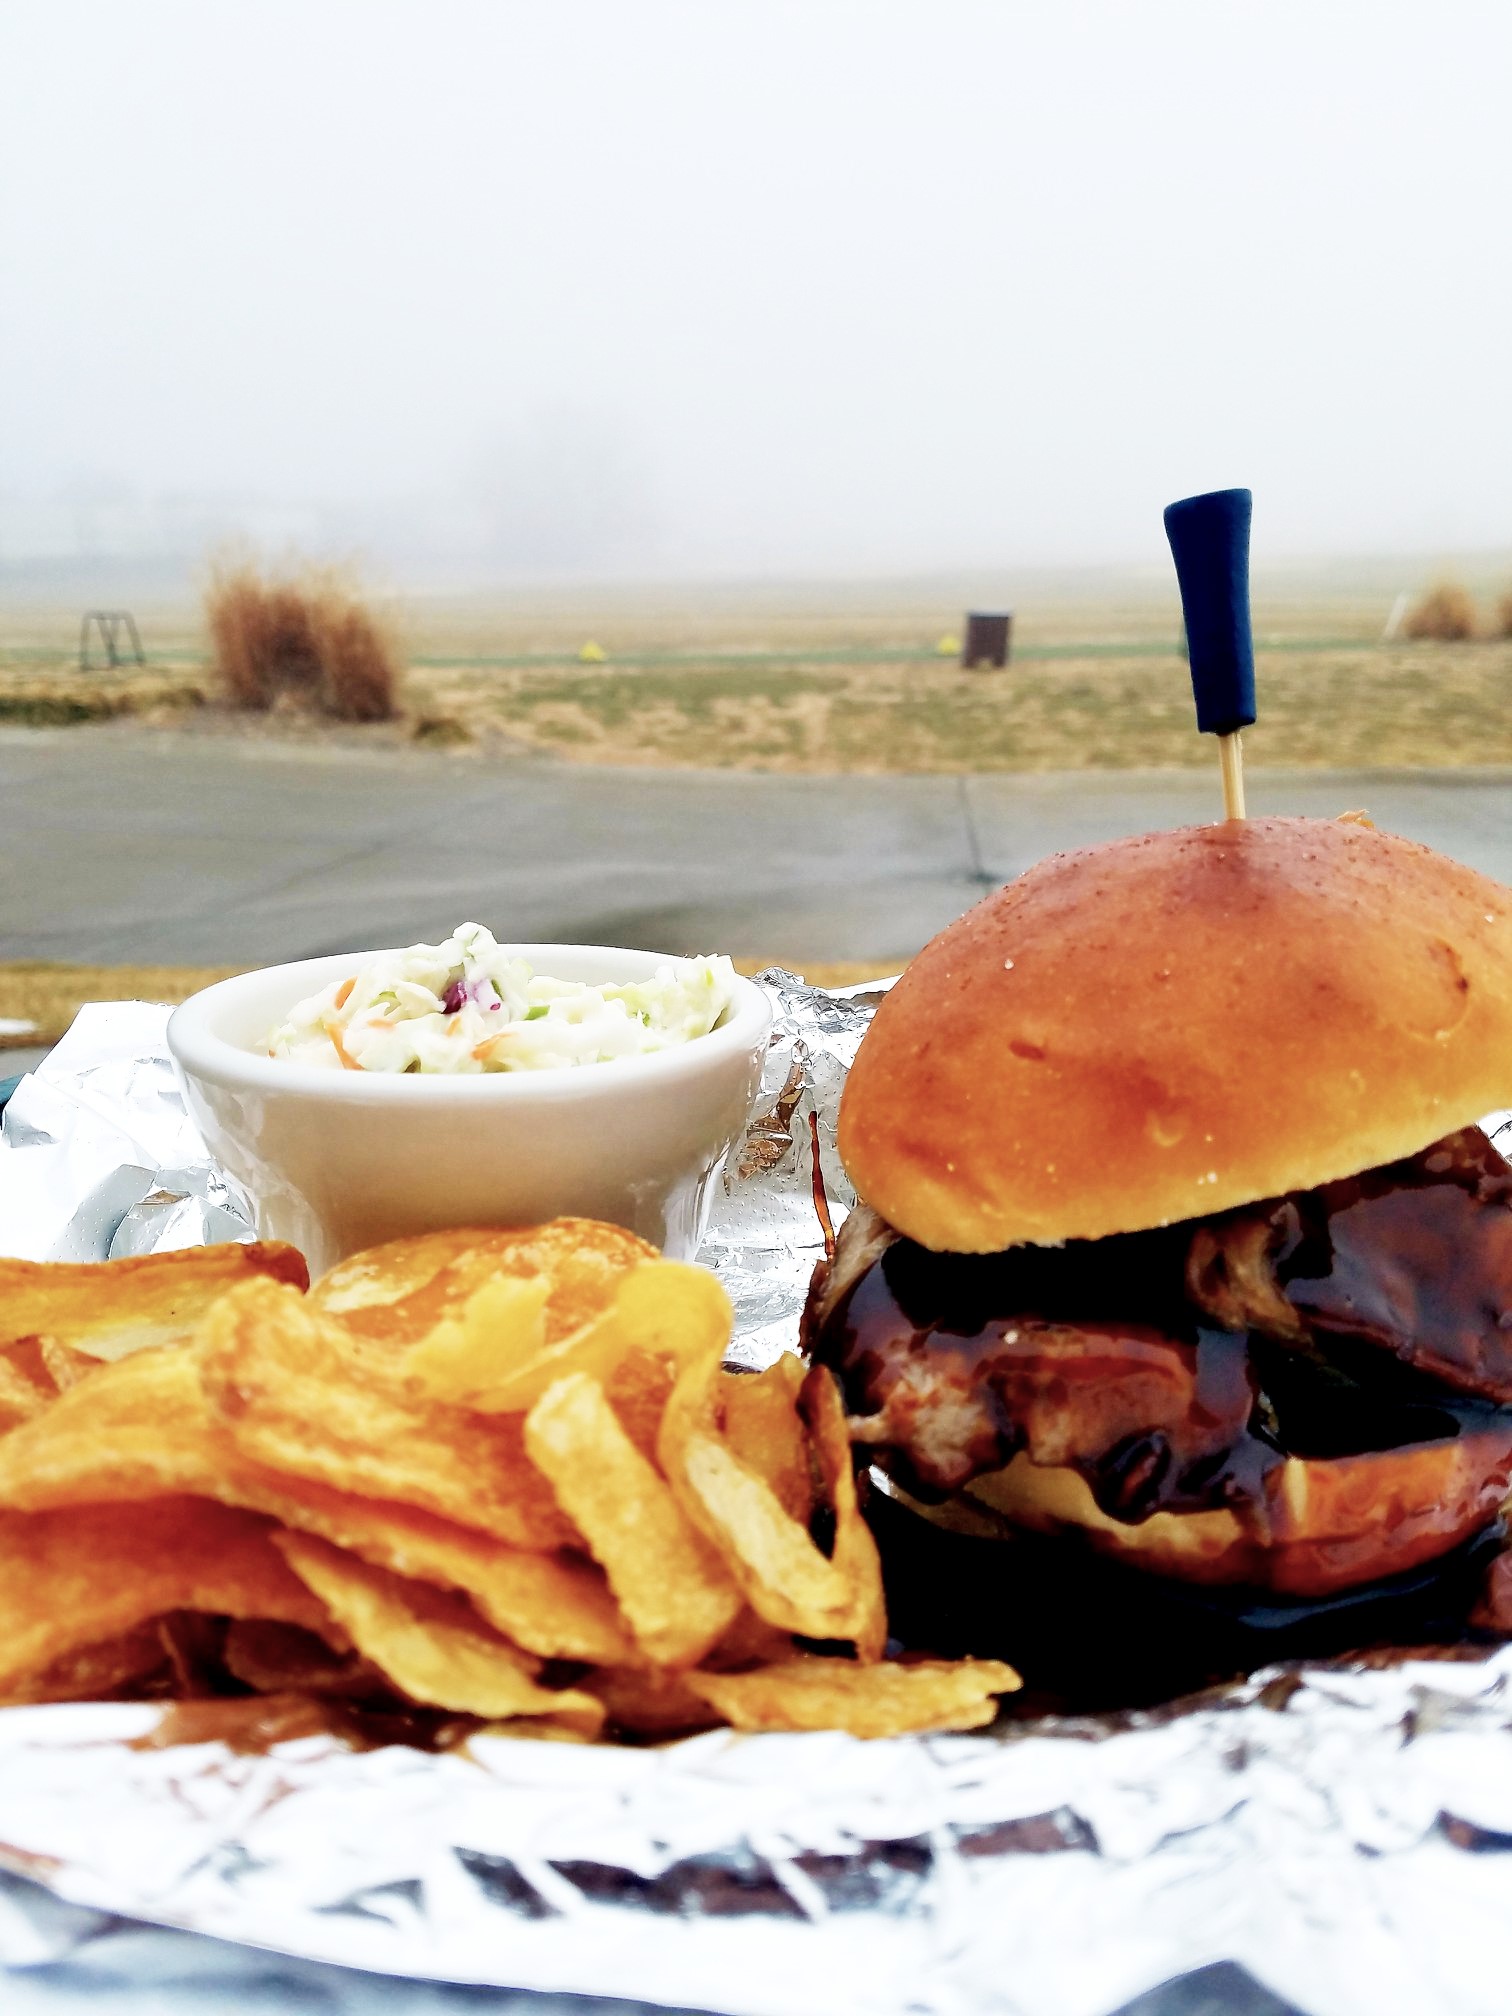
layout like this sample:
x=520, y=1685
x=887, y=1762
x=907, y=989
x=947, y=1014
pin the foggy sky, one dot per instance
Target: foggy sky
x=744, y=286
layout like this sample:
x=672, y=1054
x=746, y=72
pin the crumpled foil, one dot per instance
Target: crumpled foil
x=98, y=1156
x=1340, y=1836
x=766, y=1234
x=1337, y=1831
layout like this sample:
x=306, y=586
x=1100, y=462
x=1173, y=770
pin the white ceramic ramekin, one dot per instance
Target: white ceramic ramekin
x=337, y=1160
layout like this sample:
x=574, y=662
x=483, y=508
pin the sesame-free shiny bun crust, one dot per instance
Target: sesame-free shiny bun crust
x=1170, y=1025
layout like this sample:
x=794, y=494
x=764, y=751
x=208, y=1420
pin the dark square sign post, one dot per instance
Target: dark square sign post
x=989, y=635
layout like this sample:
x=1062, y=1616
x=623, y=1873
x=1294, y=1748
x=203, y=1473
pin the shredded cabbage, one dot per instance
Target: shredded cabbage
x=464, y=1005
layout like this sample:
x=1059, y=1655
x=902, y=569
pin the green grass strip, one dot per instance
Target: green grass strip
x=692, y=660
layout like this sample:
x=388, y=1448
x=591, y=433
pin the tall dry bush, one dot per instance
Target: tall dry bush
x=310, y=640
x=1445, y=614
x=358, y=662
x=1504, y=617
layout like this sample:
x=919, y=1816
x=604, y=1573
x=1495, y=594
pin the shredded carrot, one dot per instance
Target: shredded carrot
x=333, y=1029
x=344, y=991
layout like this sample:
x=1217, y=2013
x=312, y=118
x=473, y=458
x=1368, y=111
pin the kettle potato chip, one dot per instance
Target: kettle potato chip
x=660, y=1309
x=137, y=1428
x=650, y=1703
x=109, y=1308
x=394, y=1295
x=74, y=1577
x=97, y=1672
x=855, y=1551
x=671, y=1585
x=432, y=1647
x=887, y=1700
x=553, y=1604
x=459, y=1457
x=763, y=1428
x=21, y=1399
x=503, y=1324
x=275, y=1658
x=781, y=1572
x=299, y=1395
x=65, y=1364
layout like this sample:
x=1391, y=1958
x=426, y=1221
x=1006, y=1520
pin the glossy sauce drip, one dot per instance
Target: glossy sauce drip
x=1150, y=1406
x=1105, y=1364
x=1415, y=1258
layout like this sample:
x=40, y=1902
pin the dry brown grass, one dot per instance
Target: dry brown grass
x=1366, y=705
x=37, y=696
x=824, y=689
x=1369, y=705
x=1445, y=615
x=309, y=641
x=48, y=995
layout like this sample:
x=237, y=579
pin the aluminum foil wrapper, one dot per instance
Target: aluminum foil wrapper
x=1338, y=1832
x=1340, y=1836
x=98, y=1157
x=766, y=1233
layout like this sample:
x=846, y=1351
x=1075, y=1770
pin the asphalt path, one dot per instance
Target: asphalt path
x=118, y=846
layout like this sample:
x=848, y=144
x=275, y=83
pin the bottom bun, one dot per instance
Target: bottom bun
x=1323, y=1526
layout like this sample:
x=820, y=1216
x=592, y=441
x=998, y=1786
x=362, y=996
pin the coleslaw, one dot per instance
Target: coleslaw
x=466, y=1005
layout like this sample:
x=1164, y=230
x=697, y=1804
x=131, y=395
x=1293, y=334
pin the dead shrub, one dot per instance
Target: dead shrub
x=1445, y=615
x=309, y=640
x=442, y=731
x=1504, y=617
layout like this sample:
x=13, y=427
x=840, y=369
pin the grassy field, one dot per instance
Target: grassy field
x=818, y=680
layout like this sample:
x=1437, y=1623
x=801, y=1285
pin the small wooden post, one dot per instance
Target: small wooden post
x=989, y=637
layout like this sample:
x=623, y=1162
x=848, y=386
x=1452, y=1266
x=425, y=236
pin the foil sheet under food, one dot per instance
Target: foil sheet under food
x=1337, y=1831
x=98, y=1156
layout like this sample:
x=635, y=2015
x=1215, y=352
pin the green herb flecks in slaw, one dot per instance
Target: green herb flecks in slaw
x=467, y=1006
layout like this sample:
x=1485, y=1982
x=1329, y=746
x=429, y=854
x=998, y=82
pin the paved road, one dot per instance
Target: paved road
x=180, y=850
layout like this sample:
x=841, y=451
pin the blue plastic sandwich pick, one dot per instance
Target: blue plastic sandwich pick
x=1209, y=538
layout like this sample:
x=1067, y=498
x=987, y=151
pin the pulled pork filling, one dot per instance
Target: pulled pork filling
x=1174, y=1368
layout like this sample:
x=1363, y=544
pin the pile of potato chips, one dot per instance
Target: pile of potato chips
x=500, y=1475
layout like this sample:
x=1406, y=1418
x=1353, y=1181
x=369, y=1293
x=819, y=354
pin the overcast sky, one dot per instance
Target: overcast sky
x=743, y=286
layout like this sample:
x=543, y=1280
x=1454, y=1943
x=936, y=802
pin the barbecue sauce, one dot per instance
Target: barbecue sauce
x=1102, y=1335
x=1101, y=1365
x=1415, y=1259
x=1401, y=1281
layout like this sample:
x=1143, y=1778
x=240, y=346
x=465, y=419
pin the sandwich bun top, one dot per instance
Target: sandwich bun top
x=1171, y=1025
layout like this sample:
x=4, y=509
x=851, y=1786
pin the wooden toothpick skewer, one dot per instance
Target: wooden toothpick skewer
x=1231, y=757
